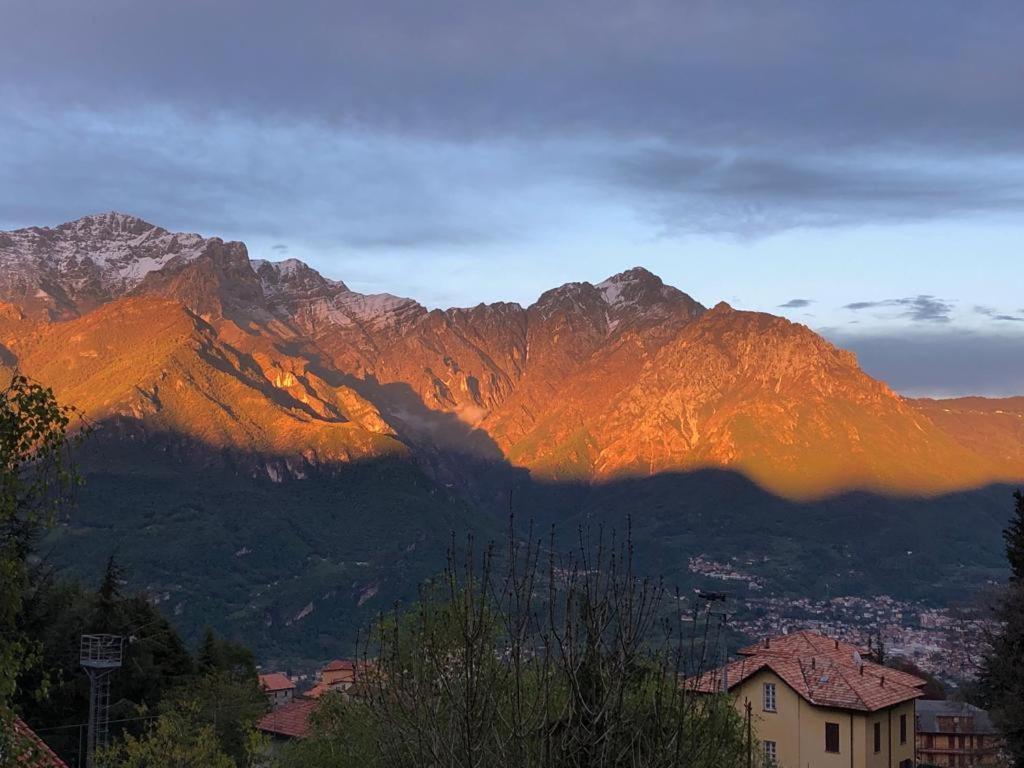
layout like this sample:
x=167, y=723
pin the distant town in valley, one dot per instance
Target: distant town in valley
x=945, y=642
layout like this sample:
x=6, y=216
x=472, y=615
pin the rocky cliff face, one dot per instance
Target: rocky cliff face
x=185, y=334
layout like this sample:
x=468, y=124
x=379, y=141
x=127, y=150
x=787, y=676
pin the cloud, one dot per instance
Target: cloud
x=279, y=248
x=757, y=191
x=923, y=308
x=996, y=315
x=796, y=304
x=238, y=178
x=950, y=363
x=455, y=123
x=740, y=73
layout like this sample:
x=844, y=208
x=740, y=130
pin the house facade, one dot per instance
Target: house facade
x=950, y=733
x=278, y=688
x=816, y=702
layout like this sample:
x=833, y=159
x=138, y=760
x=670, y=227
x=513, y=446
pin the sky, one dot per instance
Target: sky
x=857, y=167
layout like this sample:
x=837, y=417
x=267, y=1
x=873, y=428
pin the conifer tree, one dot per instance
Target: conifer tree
x=1002, y=678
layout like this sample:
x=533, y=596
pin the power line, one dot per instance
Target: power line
x=82, y=725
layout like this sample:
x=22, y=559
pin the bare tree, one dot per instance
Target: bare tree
x=523, y=657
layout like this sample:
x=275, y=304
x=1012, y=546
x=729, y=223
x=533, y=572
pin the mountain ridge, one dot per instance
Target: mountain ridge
x=625, y=377
x=280, y=457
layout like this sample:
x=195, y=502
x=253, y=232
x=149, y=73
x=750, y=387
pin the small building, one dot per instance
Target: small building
x=953, y=734
x=29, y=751
x=816, y=701
x=278, y=688
x=337, y=675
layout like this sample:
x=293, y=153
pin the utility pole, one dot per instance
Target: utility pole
x=750, y=735
x=100, y=656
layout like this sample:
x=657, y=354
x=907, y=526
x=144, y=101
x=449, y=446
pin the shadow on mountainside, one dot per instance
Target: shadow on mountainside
x=415, y=423
x=296, y=567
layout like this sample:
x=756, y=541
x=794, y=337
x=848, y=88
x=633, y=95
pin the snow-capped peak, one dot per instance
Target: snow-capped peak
x=86, y=261
x=628, y=286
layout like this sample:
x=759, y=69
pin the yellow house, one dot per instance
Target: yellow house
x=815, y=702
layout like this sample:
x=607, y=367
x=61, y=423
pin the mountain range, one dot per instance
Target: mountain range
x=371, y=425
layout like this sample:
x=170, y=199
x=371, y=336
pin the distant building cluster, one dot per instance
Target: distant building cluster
x=290, y=711
x=941, y=641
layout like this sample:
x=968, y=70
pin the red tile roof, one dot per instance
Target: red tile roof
x=276, y=681
x=290, y=720
x=317, y=691
x=339, y=665
x=822, y=670
x=32, y=751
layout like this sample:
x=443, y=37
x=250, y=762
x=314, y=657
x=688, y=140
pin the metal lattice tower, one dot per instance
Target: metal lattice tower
x=100, y=656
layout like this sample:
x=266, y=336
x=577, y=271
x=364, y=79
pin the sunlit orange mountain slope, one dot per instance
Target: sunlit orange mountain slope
x=184, y=335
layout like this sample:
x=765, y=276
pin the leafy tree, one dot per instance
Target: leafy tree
x=579, y=663
x=222, y=655
x=36, y=480
x=1002, y=677
x=56, y=613
x=343, y=734
x=933, y=688
x=180, y=738
x=226, y=694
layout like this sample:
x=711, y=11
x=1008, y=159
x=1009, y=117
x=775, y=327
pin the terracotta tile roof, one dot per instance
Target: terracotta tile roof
x=317, y=691
x=32, y=751
x=276, y=681
x=290, y=720
x=339, y=665
x=822, y=670
x=802, y=643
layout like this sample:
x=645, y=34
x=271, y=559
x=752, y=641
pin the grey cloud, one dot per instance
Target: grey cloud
x=756, y=192
x=279, y=247
x=742, y=73
x=996, y=315
x=923, y=308
x=799, y=109
x=236, y=179
x=950, y=363
x=796, y=304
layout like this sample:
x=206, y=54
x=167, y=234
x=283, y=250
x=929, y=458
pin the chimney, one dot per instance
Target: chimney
x=883, y=681
x=814, y=664
x=862, y=670
x=767, y=642
x=837, y=643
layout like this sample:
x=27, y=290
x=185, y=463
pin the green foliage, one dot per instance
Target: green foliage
x=224, y=693
x=36, y=479
x=568, y=666
x=245, y=555
x=1002, y=677
x=181, y=738
x=1014, y=538
x=344, y=733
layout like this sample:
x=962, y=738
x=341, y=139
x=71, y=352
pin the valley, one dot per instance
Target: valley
x=280, y=457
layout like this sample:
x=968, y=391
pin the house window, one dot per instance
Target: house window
x=878, y=737
x=769, y=697
x=771, y=754
x=903, y=729
x=832, y=738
